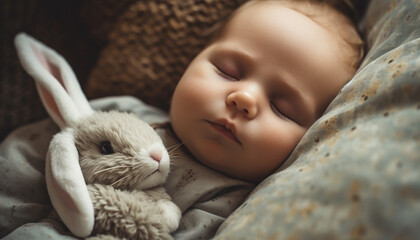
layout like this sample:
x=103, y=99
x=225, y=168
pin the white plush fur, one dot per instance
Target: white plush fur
x=38, y=60
x=65, y=183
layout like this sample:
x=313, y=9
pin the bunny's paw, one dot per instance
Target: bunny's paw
x=130, y=215
x=170, y=213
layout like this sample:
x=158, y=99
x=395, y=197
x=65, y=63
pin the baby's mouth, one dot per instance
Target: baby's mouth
x=225, y=129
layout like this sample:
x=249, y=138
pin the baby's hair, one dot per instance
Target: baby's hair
x=337, y=17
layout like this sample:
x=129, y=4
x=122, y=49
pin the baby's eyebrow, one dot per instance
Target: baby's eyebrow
x=239, y=54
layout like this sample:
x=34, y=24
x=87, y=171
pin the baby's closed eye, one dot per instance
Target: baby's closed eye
x=279, y=112
x=228, y=71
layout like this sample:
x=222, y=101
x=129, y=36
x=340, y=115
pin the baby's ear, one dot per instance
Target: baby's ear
x=56, y=82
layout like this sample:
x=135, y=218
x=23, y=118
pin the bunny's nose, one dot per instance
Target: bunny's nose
x=156, y=155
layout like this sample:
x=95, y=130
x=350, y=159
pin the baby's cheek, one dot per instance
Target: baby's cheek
x=279, y=141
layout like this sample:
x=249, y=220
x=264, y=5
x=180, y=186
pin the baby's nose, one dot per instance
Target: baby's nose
x=244, y=102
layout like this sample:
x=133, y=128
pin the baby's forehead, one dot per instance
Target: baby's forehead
x=261, y=14
x=321, y=13
x=261, y=7
x=267, y=14
x=325, y=16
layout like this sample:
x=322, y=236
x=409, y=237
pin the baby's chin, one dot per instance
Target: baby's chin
x=238, y=171
x=209, y=160
x=233, y=166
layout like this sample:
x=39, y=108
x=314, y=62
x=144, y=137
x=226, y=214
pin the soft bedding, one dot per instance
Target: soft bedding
x=356, y=173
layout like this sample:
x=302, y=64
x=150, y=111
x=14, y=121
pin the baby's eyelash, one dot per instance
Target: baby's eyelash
x=278, y=112
x=225, y=74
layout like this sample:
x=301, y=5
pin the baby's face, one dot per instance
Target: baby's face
x=246, y=100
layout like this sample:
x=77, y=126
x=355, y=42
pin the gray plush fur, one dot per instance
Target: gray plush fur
x=129, y=214
x=124, y=206
x=129, y=136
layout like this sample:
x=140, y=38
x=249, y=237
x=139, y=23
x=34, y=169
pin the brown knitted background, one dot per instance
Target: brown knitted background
x=151, y=45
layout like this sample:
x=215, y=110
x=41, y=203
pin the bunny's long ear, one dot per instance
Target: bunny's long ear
x=66, y=185
x=65, y=102
x=56, y=82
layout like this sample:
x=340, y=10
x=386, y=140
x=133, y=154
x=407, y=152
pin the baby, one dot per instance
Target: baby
x=240, y=108
x=247, y=99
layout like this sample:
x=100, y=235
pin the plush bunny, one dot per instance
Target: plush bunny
x=104, y=170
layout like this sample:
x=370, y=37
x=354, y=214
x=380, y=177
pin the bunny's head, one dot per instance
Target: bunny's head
x=121, y=150
x=110, y=148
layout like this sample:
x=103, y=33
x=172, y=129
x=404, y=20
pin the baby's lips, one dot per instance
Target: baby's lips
x=228, y=126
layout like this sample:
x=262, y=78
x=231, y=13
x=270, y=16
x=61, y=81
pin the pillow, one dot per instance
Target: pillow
x=355, y=174
x=150, y=46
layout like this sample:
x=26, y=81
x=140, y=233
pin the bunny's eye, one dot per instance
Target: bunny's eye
x=106, y=148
